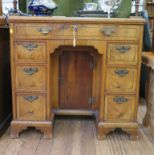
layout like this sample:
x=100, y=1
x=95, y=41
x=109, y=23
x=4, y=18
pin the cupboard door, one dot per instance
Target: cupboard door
x=76, y=76
x=119, y=108
x=121, y=80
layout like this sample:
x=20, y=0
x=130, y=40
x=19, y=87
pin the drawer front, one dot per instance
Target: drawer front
x=31, y=107
x=119, y=108
x=122, y=54
x=83, y=31
x=42, y=31
x=37, y=31
x=108, y=32
x=30, y=52
x=31, y=78
x=121, y=80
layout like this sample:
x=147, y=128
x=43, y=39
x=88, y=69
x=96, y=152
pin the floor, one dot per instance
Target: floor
x=78, y=137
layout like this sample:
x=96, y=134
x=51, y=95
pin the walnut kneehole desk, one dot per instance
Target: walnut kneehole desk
x=75, y=66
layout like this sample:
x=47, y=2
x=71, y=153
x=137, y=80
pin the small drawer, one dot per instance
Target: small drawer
x=121, y=80
x=28, y=52
x=30, y=78
x=31, y=107
x=122, y=54
x=119, y=108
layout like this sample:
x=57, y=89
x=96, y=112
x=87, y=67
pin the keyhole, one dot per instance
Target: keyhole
x=75, y=28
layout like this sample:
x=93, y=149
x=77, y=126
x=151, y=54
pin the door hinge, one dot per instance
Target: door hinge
x=92, y=100
x=93, y=65
x=61, y=80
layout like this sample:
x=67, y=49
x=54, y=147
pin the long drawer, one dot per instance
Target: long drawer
x=121, y=80
x=119, y=108
x=31, y=106
x=83, y=31
x=31, y=78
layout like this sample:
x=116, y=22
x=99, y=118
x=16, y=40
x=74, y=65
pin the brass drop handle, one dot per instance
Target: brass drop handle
x=30, y=46
x=45, y=30
x=30, y=98
x=31, y=70
x=123, y=48
x=92, y=100
x=121, y=72
x=120, y=100
x=108, y=31
x=61, y=80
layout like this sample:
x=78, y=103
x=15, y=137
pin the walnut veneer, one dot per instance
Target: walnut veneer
x=75, y=66
x=148, y=60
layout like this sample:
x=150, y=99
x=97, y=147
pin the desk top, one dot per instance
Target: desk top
x=148, y=59
x=25, y=19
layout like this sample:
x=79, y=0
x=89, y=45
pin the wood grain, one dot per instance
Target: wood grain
x=73, y=136
x=148, y=60
x=75, y=68
x=119, y=112
x=30, y=52
x=131, y=20
x=79, y=80
x=116, y=82
x=118, y=55
x=65, y=31
x=27, y=81
x=31, y=110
